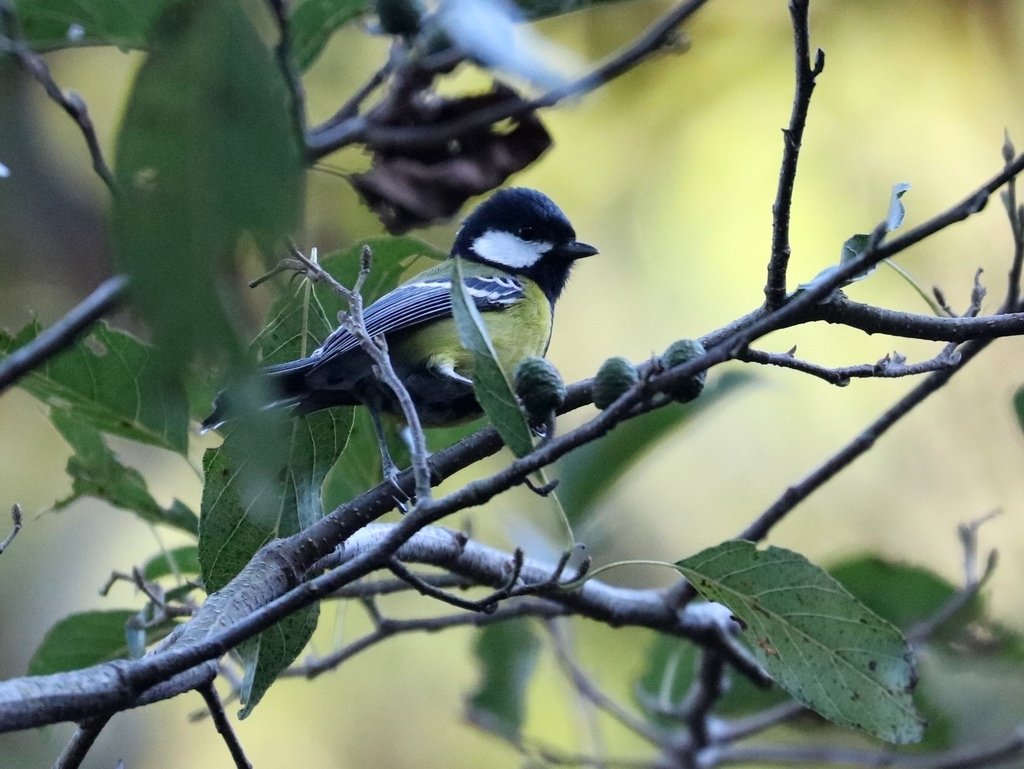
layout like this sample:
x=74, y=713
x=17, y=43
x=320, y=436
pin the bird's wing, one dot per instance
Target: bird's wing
x=421, y=301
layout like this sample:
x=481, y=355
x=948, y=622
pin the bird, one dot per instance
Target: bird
x=516, y=251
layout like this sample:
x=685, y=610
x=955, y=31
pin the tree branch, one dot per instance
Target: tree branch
x=107, y=297
x=15, y=527
x=806, y=76
x=959, y=758
x=333, y=135
x=861, y=443
x=386, y=628
x=223, y=726
x=891, y=366
x=81, y=743
x=34, y=65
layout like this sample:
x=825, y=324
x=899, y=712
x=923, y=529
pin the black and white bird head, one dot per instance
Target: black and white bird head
x=522, y=231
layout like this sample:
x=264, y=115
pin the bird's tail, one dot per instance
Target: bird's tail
x=285, y=381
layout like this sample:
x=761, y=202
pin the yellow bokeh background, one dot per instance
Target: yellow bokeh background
x=671, y=170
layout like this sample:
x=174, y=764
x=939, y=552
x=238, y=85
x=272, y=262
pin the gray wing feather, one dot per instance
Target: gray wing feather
x=419, y=302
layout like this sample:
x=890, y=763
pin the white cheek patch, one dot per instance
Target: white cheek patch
x=506, y=249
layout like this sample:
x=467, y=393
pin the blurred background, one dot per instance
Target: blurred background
x=670, y=170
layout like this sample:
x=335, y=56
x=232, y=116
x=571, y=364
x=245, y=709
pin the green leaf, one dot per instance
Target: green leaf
x=89, y=638
x=491, y=384
x=314, y=21
x=507, y=653
x=856, y=245
x=96, y=472
x=180, y=560
x=107, y=380
x=906, y=595
x=816, y=640
x=900, y=593
x=207, y=151
x=52, y=24
x=242, y=511
x=589, y=472
x=358, y=468
x=245, y=506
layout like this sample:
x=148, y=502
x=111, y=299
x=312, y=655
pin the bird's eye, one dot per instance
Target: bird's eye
x=527, y=233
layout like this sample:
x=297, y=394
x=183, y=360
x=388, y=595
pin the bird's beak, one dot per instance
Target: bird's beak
x=576, y=250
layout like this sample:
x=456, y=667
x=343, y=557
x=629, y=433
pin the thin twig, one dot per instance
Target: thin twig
x=283, y=51
x=908, y=325
x=891, y=366
x=707, y=688
x=350, y=108
x=926, y=629
x=15, y=528
x=73, y=104
x=377, y=587
x=588, y=689
x=755, y=723
x=856, y=447
x=1015, y=213
x=107, y=297
x=806, y=77
x=487, y=605
x=223, y=726
x=325, y=139
x=81, y=742
x=376, y=349
x=386, y=628
x=969, y=757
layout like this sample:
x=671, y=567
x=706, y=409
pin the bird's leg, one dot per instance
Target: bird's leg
x=387, y=465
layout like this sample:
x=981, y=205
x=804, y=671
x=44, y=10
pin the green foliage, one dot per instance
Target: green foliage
x=314, y=21
x=49, y=25
x=180, y=560
x=105, y=384
x=242, y=511
x=53, y=24
x=492, y=386
x=816, y=640
x=90, y=638
x=207, y=151
x=922, y=594
x=106, y=381
x=507, y=655
x=96, y=472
